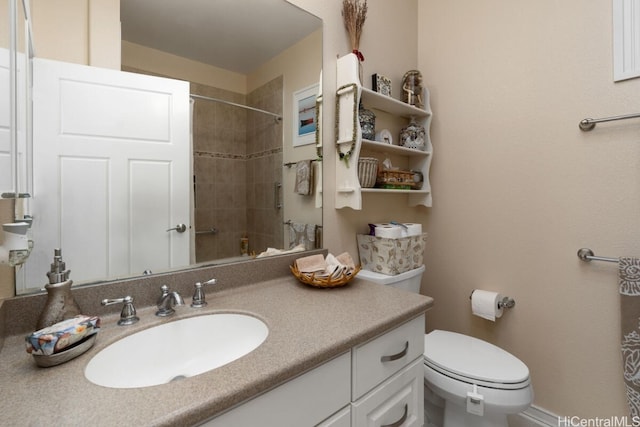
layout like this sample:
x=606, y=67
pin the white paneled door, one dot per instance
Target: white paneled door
x=6, y=182
x=112, y=168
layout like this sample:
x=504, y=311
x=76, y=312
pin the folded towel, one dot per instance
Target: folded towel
x=345, y=259
x=334, y=268
x=304, y=178
x=629, y=281
x=274, y=251
x=311, y=264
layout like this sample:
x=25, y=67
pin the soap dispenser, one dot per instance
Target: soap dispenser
x=60, y=303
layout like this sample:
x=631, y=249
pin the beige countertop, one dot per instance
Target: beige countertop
x=307, y=327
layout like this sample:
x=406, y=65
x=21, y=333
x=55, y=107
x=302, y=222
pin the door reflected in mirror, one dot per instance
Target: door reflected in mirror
x=240, y=189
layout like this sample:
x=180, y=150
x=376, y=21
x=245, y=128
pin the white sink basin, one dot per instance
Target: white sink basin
x=175, y=350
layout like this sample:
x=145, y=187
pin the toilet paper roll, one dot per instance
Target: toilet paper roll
x=485, y=304
x=412, y=229
x=388, y=231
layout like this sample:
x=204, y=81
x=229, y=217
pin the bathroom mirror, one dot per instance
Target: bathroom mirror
x=255, y=41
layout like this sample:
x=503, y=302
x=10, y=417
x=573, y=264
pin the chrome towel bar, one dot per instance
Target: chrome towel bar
x=586, y=254
x=589, y=124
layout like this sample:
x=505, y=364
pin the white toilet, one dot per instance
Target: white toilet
x=477, y=383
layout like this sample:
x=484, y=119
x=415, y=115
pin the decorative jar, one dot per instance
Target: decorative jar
x=412, y=135
x=412, y=91
x=367, y=123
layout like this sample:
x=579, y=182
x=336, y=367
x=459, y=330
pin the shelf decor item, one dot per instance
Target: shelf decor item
x=412, y=91
x=412, y=135
x=354, y=13
x=367, y=123
x=381, y=84
x=367, y=171
x=395, y=180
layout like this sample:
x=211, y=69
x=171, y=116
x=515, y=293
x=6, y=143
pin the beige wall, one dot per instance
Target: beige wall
x=79, y=31
x=162, y=63
x=518, y=188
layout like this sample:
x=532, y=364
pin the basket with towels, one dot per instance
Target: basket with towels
x=321, y=272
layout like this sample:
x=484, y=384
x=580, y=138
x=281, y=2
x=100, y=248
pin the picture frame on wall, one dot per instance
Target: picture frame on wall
x=304, y=115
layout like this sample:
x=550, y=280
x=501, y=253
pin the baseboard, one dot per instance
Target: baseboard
x=539, y=416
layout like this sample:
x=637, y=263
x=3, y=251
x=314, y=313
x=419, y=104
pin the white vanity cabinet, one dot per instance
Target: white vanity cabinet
x=378, y=383
x=387, y=378
x=304, y=401
x=392, y=114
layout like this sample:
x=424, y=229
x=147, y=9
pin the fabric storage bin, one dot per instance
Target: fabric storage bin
x=391, y=256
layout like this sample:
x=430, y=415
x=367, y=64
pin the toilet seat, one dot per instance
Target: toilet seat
x=474, y=361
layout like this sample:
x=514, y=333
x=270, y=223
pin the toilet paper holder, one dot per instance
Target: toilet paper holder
x=505, y=302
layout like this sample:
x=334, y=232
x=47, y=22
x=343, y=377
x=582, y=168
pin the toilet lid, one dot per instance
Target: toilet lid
x=473, y=359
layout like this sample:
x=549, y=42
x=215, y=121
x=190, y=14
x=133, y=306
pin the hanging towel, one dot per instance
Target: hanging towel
x=300, y=233
x=317, y=178
x=629, y=281
x=304, y=178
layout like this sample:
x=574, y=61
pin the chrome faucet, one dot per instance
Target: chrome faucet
x=199, y=300
x=128, y=313
x=167, y=301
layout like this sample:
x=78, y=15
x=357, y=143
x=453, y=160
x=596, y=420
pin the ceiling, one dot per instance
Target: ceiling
x=238, y=35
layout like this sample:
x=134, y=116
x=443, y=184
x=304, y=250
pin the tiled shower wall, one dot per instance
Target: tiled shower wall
x=219, y=166
x=237, y=162
x=264, y=168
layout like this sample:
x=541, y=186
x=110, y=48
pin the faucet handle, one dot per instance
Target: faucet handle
x=198, y=300
x=128, y=313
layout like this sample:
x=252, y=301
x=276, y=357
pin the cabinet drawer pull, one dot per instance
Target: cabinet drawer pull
x=401, y=420
x=396, y=356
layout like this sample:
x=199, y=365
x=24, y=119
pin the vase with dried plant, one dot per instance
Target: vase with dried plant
x=354, y=13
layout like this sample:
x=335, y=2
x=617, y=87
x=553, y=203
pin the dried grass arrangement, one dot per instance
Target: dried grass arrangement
x=354, y=13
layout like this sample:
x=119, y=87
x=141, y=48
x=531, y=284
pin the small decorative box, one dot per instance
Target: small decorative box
x=381, y=84
x=56, y=338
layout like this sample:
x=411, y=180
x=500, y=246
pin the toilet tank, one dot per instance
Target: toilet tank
x=408, y=281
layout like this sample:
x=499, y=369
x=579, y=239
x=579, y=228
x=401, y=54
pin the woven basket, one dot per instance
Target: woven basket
x=396, y=179
x=324, y=282
x=367, y=171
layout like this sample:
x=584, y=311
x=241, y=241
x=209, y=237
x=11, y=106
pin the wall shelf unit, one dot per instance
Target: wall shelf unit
x=350, y=143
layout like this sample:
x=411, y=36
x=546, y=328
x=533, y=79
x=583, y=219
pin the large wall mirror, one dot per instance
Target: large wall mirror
x=254, y=173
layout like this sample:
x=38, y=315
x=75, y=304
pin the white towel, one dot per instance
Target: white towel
x=317, y=179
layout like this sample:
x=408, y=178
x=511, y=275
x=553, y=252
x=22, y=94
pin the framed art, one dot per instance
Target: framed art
x=304, y=115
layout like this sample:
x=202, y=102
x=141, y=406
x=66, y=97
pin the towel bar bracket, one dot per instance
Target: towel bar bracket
x=586, y=254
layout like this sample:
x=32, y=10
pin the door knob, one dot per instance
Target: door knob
x=180, y=228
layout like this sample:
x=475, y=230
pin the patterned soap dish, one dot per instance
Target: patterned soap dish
x=71, y=352
x=324, y=281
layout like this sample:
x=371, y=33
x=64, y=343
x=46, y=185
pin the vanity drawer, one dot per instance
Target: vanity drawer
x=398, y=401
x=340, y=419
x=378, y=359
x=306, y=400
